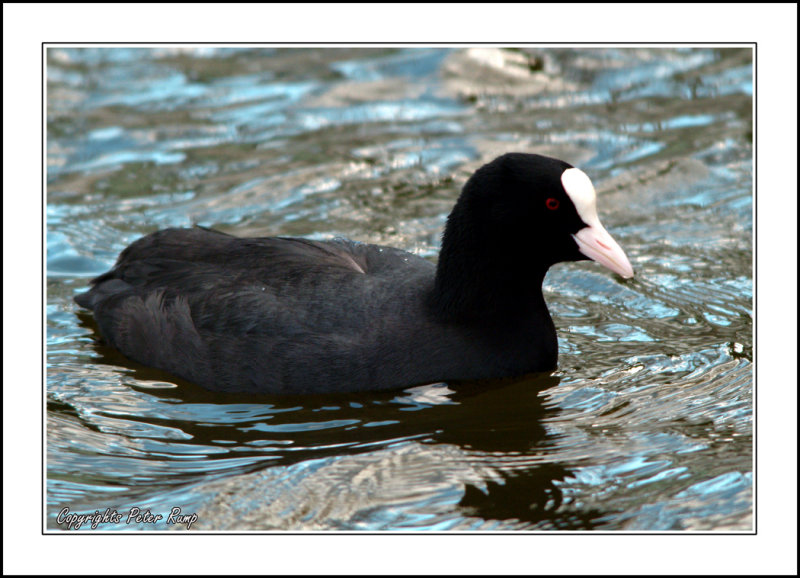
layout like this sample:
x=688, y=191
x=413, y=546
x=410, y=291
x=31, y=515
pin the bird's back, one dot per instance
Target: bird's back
x=260, y=314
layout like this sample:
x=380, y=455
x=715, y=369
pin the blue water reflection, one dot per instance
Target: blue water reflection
x=646, y=424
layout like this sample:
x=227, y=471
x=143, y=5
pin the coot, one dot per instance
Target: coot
x=290, y=315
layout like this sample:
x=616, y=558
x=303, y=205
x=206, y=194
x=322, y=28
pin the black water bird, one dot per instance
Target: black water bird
x=291, y=315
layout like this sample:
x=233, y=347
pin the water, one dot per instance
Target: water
x=646, y=425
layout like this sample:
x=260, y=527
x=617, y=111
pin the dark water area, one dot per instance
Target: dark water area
x=647, y=425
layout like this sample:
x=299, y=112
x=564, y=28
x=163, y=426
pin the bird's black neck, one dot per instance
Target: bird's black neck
x=478, y=279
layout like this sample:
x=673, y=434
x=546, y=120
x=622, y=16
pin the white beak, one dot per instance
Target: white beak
x=595, y=242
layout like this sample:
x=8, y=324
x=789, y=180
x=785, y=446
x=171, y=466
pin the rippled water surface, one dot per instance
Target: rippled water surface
x=646, y=425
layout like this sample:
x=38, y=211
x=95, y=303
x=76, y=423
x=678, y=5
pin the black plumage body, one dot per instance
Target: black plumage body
x=289, y=315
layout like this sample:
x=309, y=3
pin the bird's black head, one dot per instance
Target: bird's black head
x=520, y=214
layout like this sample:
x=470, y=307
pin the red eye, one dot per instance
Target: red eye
x=551, y=203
